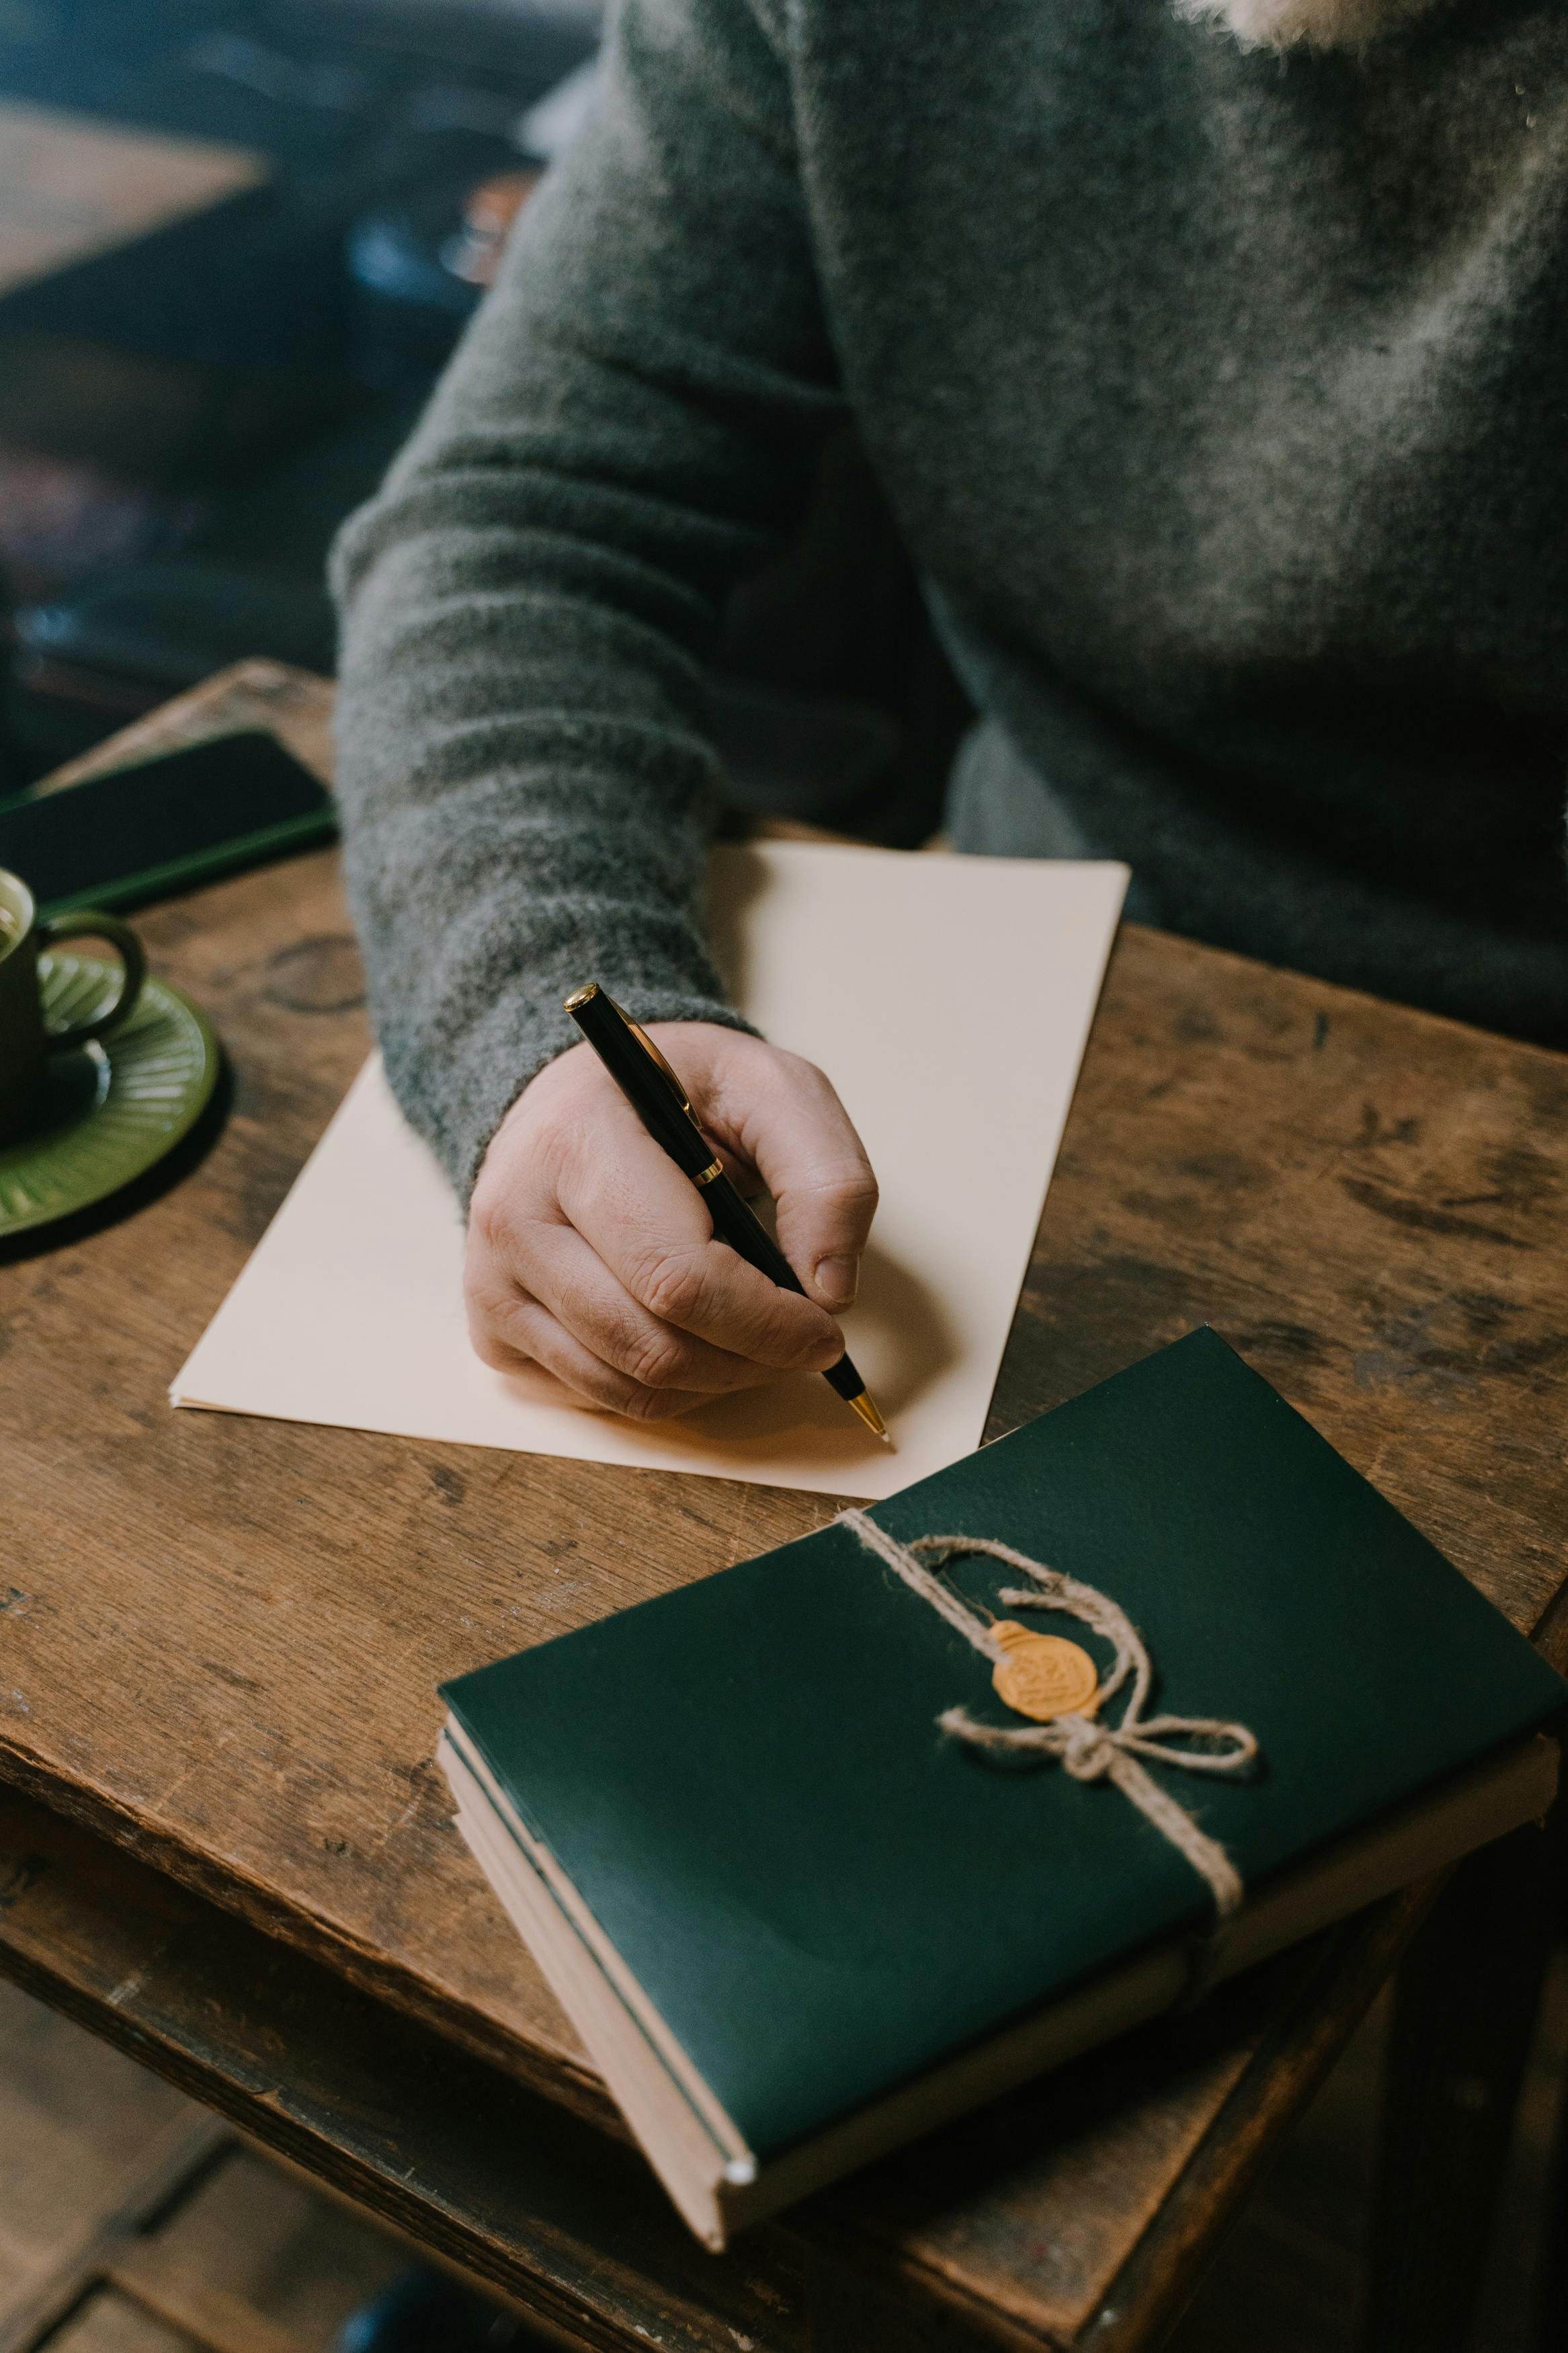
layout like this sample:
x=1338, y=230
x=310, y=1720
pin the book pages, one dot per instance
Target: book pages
x=949, y=1000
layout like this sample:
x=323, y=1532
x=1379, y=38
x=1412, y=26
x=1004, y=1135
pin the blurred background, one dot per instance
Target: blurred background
x=238, y=239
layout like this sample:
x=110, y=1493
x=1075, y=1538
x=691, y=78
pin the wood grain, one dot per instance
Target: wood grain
x=91, y=2147
x=223, y=1636
x=1076, y=2212
x=569, y=2221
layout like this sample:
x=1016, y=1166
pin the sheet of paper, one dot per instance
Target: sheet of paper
x=948, y=999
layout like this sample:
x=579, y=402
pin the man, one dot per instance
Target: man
x=1215, y=368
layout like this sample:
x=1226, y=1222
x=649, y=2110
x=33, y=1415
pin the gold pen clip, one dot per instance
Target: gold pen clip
x=581, y=997
x=645, y=1043
x=640, y=1034
x=714, y=1167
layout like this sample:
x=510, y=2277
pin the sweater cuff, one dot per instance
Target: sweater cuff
x=458, y=1101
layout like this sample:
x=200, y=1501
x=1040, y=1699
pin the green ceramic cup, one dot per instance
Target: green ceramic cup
x=26, y=1045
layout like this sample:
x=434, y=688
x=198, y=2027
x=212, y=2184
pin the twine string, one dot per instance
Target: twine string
x=1087, y=1747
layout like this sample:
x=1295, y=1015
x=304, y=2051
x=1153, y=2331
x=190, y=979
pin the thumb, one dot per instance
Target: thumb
x=797, y=1136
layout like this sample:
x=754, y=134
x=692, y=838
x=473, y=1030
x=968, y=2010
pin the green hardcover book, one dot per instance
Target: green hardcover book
x=800, y=1910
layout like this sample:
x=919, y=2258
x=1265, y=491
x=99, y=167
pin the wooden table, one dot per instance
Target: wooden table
x=222, y=1839
x=73, y=187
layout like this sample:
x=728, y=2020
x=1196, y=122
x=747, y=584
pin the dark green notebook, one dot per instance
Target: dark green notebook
x=727, y=1819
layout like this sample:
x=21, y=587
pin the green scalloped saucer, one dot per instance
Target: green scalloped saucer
x=118, y=1105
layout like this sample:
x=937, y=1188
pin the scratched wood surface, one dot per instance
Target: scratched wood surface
x=223, y=1636
x=1121, y=2171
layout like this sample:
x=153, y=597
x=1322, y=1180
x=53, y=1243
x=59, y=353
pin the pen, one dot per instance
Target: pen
x=660, y=1101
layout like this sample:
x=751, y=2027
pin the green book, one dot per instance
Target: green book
x=796, y=1920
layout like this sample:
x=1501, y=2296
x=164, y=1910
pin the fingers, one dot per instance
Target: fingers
x=646, y=1225
x=792, y=1126
x=591, y=1256
x=513, y=1333
x=568, y=1276
x=539, y=1291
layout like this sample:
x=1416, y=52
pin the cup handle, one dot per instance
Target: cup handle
x=86, y=924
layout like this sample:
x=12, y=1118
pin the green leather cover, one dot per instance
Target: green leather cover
x=823, y=1896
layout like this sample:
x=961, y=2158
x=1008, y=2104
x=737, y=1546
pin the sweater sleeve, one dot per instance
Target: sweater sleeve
x=525, y=773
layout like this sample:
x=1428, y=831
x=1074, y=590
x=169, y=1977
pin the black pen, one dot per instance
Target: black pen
x=660, y=1101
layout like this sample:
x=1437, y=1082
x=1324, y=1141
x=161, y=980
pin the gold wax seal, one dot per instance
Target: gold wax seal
x=1040, y=1675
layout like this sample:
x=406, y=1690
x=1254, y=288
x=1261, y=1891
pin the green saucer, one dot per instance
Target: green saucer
x=118, y=1105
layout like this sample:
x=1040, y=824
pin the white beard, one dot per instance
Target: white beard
x=1304, y=24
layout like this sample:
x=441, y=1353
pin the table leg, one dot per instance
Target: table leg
x=1465, y=2006
x=1551, y=2332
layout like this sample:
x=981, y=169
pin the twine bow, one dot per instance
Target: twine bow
x=1085, y=1746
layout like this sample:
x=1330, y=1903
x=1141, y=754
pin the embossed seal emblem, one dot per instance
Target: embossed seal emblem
x=1040, y=1675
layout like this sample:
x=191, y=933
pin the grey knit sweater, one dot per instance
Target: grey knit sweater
x=1222, y=400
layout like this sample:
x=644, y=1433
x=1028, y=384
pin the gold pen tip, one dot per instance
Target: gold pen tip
x=863, y=1406
x=580, y=996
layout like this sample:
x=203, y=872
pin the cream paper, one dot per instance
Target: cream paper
x=947, y=998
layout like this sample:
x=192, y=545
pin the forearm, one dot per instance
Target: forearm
x=527, y=778
x=510, y=836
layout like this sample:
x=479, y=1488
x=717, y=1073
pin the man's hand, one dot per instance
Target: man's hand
x=590, y=1253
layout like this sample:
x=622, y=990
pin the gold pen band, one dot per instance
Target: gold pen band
x=706, y=1175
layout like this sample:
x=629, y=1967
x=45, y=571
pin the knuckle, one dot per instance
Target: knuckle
x=855, y=1194
x=670, y=1285
x=483, y=1299
x=625, y=1395
x=794, y=1333
x=500, y=1354
x=486, y=1212
x=653, y=1358
x=816, y=1085
x=817, y=1347
x=662, y=1405
x=796, y=1070
x=614, y=1392
x=522, y=1170
x=495, y=1220
x=551, y=1147
x=499, y=1315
